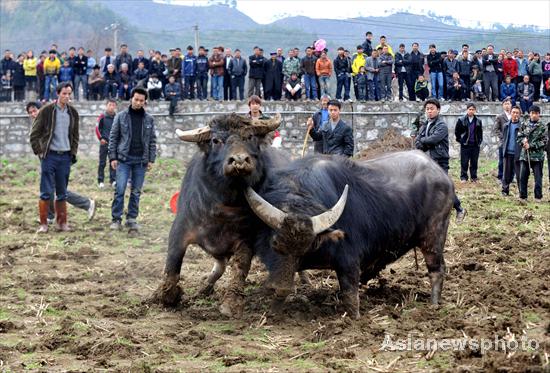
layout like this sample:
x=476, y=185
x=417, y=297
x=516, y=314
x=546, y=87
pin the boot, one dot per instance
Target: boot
x=43, y=207
x=61, y=216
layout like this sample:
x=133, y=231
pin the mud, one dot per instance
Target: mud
x=78, y=301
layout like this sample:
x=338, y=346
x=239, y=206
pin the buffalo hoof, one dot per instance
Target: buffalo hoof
x=350, y=303
x=168, y=294
x=207, y=290
x=277, y=305
x=232, y=305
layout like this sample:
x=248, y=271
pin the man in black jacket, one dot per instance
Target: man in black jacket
x=132, y=151
x=402, y=69
x=80, y=66
x=104, y=125
x=336, y=135
x=469, y=133
x=273, y=72
x=433, y=138
x=367, y=44
x=342, y=70
x=416, y=69
x=436, y=72
x=256, y=73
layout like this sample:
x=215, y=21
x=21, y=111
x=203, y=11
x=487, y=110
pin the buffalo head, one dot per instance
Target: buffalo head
x=232, y=145
x=296, y=233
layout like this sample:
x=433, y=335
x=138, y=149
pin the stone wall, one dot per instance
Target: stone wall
x=369, y=122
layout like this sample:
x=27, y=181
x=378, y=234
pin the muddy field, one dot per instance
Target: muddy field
x=74, y=301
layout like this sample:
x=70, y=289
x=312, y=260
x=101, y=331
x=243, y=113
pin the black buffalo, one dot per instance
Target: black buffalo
x=212, y=209
x=395, y=203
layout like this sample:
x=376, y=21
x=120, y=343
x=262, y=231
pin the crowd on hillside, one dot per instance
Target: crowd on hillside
x=220, y=74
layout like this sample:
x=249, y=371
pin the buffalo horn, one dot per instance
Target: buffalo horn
x=269, y=214
x=195, y=135
x=327, y=219
x=264, y=126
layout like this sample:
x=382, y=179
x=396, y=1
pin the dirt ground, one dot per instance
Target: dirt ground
x=74, y=301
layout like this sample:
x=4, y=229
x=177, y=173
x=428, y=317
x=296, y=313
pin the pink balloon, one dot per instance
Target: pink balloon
x=320, y=45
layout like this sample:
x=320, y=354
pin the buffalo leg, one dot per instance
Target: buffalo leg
x=432, y=251
x=217, y=271
x=348, y=279
x=233, y=302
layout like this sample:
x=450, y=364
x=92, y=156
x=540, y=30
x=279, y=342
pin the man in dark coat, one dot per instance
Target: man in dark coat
x=336, y=135
x=273, y=71
x=469, y=133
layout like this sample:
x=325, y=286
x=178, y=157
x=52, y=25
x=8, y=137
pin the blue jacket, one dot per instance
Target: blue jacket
x=522, y=66
x=189, y=65
x=172, y=88
x=202, y=65
x=120, y=138
x=65, y=74
x=508, y=90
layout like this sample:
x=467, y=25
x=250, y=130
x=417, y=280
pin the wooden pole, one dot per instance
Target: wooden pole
x=305, y=143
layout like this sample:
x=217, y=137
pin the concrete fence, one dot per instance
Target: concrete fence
x=369, y=122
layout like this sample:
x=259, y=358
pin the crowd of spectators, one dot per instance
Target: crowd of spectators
x=370, y=73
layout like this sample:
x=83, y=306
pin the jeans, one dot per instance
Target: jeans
x=132, y=168
x=237, y=82
x=362, y=90
x=323, y=82
x=525, y=105
x=254, y=87
x=189, y=87
x=524, y=173
x=469, y=156
x=55, y=169
x=109, y=90
x=437, y=85
x=103, y=152
x=124, y=93
x=217, y=87
x=49, y=89
x=202, y=87
x=373, y=89
x=74, y=199
x=311, y=86
x=78, y=80
x=511, y=167
x=342, y=81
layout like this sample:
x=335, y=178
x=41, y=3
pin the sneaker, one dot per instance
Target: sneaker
x=101, y=185
x=133, y=227
x=522, y=201
x=116, y=225
x=538, y=200
x=113, y=184
x=460, y=215
x=51, y=220
x=463, y=181
x=91, y=210
x=474, y=180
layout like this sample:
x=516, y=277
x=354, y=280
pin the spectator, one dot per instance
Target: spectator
x=19, y=79
x=478, y=60
x=421, y=88
x=436, y=72
x=54, y=139
x=103, y=130
x=545, y=66
x=91, y=61
x=433, y=138
x=510, y=149
x=157, y=66
x=154, y=87
x=227, y=95
x=256, y=73
x=358, y=60
x=189, y=69
x=383, y=44
x=450, y=66
x=172, y=93
x=293, y=88
x=372, y=66
x=255, y=106
x=238, y=70
x=546, y=93
x=202, y=73
x=323, y=68
x=110, y=83
x=308, y=70
x=106, y=60
x=52, y=65
x=490, y=77
x=469, y=133
x=95, y=84
x=367, y=44
x=6, y=87
x=455, y=88
x=336, y=135
x=132, y=152
x=280, y=56
x=291, y=65
x=498, y=129
x=478, y=94
x=29, y=65
x=510, y=67
x=216, y=64
x=523, y=66
x=535, y=75
x=319, y=120
x=465, y=54
x=361, y=79
x=532, y=137
x=125, y=82
x=174, y=64
x=402, y=70
x=273, y=71
x=71, y=58
x=525, y=92
x=416, y=69
x=500, y=69
x=385, y=74
x=80, y=66
x=508, y=90
x=7, y=64
x=40, y=77
x=464, y=71
x=140, y=58
x=66, y=72
x=141, y=75
x=342, y=70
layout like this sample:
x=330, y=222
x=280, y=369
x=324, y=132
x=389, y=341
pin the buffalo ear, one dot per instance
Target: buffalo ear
x=334, y=235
